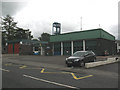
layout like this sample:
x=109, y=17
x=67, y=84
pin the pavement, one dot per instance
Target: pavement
x=45, y=69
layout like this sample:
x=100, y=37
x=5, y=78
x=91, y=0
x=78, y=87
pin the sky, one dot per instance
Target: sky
x=38, y=15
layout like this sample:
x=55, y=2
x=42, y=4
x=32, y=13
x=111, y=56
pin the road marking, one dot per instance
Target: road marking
x=80, y=77
x=24, y=66
x=32, y=68
x=42, y=71
x=8, y=64
x=57, y=72
x=11, y=64
x=4, y=70
x=59, y=84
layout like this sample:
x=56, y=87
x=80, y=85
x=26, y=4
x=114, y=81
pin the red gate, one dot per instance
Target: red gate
x=13, y=48
x=10, y=49
x=16, y=48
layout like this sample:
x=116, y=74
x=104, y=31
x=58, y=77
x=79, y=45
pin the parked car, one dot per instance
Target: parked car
x=80, y=58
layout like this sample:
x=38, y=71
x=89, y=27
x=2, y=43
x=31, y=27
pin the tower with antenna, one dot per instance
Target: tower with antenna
x=56, y=28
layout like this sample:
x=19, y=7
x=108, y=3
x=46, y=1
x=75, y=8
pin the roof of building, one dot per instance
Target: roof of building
x=27, y=41
x=80, y=35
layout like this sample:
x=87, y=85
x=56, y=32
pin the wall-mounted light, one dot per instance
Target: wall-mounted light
x=21, y=42
x=6, y=44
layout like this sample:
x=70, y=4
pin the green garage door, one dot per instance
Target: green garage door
x=57, y=48
x=66, y=48
x=91, y=45
x=77, y=46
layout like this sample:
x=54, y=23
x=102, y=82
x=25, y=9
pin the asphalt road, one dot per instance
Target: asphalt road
x=57, y=60
x=26, y=76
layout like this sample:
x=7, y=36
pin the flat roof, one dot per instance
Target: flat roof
x=80, y=35
x=27, y=41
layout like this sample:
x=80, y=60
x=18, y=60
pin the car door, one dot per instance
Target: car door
x=91, y=57
x=87, y=58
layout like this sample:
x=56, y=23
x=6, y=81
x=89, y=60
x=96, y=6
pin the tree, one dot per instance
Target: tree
x=35, y=39
x=9, y=26
x=23, y=34
x=44, y=37
x=10, y=31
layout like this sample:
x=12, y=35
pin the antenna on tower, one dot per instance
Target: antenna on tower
x=81, y=23
x=99, y=26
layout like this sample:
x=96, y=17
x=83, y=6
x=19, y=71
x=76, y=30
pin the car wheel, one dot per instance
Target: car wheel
x=82, y=64
x=94, y=60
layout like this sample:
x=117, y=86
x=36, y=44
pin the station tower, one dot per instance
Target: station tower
x=56, y=28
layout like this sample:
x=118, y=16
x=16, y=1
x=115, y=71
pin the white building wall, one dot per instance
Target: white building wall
x=71, y=47
x=84, y=45
x=118, y=46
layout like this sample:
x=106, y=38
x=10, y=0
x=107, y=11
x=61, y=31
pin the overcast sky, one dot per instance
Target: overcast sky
x=38, y=15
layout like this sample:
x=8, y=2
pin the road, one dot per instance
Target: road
x=17, y=75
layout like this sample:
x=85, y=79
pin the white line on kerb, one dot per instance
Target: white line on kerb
x=4, y=70
x=50, y=82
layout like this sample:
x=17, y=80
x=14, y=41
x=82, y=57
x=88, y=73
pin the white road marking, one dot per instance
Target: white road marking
x=50, y=82
x=4, y=70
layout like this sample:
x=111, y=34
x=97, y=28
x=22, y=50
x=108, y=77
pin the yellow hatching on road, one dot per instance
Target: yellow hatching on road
x=11, y=64
x=80, y=77
x=42, y=71
x=22, y=67
x=8, y=64
x=32, y=68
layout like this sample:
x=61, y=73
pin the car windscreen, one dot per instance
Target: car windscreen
x=77, y=54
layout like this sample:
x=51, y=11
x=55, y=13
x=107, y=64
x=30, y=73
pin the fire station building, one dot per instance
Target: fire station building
x=96, y=40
